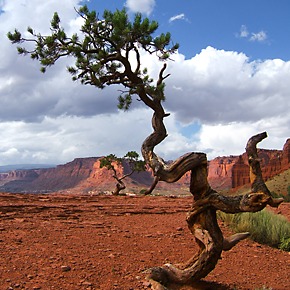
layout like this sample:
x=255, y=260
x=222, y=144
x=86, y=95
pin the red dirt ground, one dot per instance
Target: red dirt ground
x=104, y=242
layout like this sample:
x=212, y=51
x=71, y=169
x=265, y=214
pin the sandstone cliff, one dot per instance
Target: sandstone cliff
x=233, y=171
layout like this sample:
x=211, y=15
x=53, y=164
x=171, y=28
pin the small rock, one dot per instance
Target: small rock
x=86, y=283
x=65, y=268
x=149, y=236
x=146, y=284
x=257, y=245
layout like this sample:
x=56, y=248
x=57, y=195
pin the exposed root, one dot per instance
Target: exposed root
x=231, y=241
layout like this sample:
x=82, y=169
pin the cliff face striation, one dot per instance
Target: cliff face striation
x=233, y=171
x=85, y=174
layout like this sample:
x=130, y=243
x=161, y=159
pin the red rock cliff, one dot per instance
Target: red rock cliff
x=233, y=171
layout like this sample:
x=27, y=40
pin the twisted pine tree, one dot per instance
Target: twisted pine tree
x=111, y=162
x=103, y=56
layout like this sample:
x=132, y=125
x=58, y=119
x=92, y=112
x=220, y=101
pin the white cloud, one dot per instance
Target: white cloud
x=142, y=6
x=227, y=86
x=177, y=17
x=46, y=118
x=244, y=31
x=260, y=36
x=61, y=139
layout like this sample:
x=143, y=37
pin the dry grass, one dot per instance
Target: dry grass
x=280, y=183
x=265, y=227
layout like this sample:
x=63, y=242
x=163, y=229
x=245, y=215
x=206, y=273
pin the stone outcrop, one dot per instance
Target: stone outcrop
x=240, y=173
x=286, y=155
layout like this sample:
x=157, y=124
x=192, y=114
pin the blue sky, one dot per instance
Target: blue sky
x=260, y=29
x=229, y=80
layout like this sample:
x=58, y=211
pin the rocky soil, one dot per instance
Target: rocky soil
x=76, y=242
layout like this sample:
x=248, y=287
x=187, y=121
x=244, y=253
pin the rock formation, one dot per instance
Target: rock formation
x=233, y=171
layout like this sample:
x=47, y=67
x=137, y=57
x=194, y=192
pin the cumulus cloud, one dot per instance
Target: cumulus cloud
x=28, y=95
x=227, y=86
x=142, y=6
x=47, y=118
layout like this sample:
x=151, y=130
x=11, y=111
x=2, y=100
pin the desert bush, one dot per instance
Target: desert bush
x=142, y=191
x=265, y=227
x=285, y=244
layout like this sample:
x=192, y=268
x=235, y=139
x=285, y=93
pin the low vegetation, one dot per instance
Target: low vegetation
x=286, y=197
x=279, y=185
x=265, y=227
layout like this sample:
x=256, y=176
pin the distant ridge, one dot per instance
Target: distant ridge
x=7, y=168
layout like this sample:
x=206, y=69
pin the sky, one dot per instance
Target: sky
x=228, y=81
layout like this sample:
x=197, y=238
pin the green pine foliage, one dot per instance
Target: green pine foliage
x=103, y=51
x=132, y=158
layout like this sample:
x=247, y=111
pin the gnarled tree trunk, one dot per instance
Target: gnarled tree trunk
x=201, y=219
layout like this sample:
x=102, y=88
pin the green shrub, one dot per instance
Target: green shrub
x=265, y=227
x=285, y=244
x=142, y=191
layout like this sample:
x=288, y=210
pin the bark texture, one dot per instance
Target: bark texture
x=202, y=220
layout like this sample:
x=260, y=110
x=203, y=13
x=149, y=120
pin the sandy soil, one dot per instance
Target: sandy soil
x=104, y=242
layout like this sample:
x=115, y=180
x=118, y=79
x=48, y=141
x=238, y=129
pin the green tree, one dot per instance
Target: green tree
x=103, y=56
x=111, y=162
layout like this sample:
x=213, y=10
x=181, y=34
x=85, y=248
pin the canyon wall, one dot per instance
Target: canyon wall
x=233, y=171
